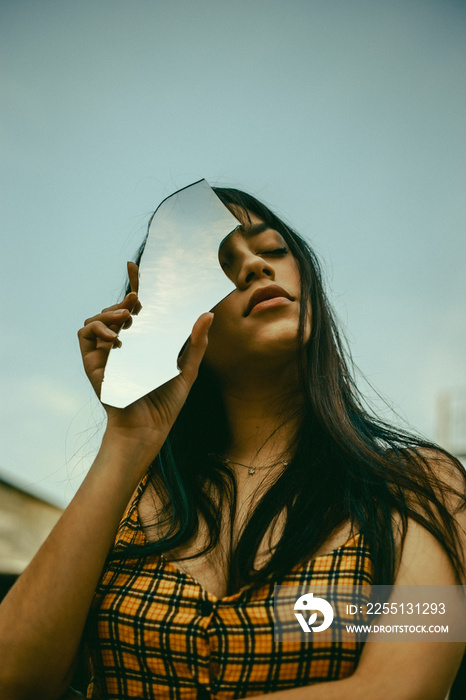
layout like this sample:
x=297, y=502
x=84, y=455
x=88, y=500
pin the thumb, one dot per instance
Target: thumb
x=195, y=348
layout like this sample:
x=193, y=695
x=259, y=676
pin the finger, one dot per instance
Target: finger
x=96, y=329
x=90, y=335
x=117, y=317
x=127, y=324
x=192, y=356
x=137, y=308
x=129, y=302
x=133, y=275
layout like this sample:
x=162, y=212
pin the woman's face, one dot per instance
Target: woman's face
x=259, y=320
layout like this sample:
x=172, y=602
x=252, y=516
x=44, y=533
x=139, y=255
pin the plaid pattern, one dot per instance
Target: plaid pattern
x=155, y=632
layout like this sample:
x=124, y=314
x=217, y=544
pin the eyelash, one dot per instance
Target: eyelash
x=276, y=251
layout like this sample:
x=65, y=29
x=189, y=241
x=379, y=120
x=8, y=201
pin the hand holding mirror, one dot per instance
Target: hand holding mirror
x=179, y=279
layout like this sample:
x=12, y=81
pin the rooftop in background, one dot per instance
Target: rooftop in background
x=25, y=522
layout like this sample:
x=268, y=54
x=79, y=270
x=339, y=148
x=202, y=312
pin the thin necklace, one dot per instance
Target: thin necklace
x=251, y=470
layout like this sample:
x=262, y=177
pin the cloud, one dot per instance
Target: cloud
x=41, y=393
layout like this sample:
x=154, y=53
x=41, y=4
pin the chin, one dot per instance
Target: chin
x=283, y=348
x=277, y=335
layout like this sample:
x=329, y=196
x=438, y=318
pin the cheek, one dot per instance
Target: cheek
x=295, y=275
x=306, y=301
x=221, y=328
x=308, y=322
x=223, y=313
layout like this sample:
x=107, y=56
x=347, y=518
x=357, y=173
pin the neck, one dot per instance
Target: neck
x=261, y=414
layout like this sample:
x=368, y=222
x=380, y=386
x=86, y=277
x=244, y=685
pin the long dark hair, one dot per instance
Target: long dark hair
x=348, y=465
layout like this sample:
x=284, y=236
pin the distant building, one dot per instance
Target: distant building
x=25, y=522
x=451, y=421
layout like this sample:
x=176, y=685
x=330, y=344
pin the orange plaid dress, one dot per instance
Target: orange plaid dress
x=154, y=632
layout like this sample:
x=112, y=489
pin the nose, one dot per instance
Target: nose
x=253, y=267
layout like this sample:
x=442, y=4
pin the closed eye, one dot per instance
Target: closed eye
x=276, y=251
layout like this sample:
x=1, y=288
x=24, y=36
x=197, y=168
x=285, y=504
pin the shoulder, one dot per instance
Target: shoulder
x=447, y=479
x=436, y=462
x=419, y=670
x=424, y=560
x=441, y=500
x=434, y=478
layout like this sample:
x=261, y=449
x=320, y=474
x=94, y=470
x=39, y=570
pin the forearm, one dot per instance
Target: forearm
x=344, y=689
x=367, y=686
x=43, y=616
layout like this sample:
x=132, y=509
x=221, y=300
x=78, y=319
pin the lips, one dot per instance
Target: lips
x=270, y=292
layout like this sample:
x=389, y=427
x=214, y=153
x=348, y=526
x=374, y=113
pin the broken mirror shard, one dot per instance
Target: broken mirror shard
x=179, y=279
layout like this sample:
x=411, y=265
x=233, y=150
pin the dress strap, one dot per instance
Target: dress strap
x=129, y=531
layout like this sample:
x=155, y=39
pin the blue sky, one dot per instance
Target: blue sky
x=346, y=117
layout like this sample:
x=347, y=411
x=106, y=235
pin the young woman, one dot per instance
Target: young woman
x=256, y=465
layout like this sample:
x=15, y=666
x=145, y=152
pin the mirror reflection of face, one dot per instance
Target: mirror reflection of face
x=260, y=318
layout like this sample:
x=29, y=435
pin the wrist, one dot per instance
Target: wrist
x=131, y=452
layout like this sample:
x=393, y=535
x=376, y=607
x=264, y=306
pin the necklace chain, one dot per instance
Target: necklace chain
x=251, y=470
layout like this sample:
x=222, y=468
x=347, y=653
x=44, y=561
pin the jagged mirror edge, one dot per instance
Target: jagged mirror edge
x=179, y=278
